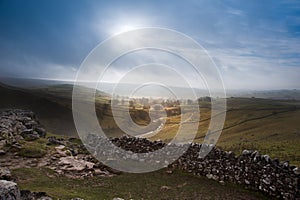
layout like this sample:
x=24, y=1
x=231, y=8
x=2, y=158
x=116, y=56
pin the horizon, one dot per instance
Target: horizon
x=71, y=82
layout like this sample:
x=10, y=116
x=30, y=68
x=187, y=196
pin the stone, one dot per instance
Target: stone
x=209, y=176
x=2, y=152
x=296, y=170
x=164, y=187
x=254, y=154
x=267, y=158
x=26, y=132
x=41, y=131
x=28, y=195
x=75, y=164
x=286, y=164
x=53, y=140
x=16, y=147
x=32, y=136
x=272, y=188
x=246, y=152
x=275, y=162
x=9, y=190
x=229, y=154
x=267, y=181
x=5, y=174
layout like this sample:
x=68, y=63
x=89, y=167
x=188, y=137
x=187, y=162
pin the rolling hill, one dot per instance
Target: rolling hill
x=268, y=125
x=54, y=116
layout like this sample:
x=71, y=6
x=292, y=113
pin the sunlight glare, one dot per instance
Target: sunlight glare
x=123, y=28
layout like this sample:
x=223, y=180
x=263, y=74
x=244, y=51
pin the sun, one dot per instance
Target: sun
x=121, y=24
x=123, y=28
x=127, y=27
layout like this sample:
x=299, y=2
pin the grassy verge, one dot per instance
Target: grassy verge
x=179, y=185
x=33, y=150
x=29, y=149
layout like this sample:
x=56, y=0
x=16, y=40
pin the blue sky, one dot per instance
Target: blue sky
x=255, y=44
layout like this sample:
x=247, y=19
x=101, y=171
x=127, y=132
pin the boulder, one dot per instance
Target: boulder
x=9, y=190
x=41, y=131
x=52, y=140
x=246, y=152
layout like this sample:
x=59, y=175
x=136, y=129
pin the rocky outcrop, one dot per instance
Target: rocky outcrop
x=18, y=124
x=9, y=191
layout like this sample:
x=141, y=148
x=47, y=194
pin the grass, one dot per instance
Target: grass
x=29, y=149
x=276, y=135
x=180, y=185
x=270, y=126
x=33, y=149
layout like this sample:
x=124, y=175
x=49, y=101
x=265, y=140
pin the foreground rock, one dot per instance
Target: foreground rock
x=9, y=190
x=28, y=195
x=74, y=165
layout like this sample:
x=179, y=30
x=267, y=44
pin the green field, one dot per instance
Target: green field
x=270, y=126
x=154, y=185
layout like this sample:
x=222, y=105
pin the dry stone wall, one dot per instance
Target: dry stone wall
x=251, y=169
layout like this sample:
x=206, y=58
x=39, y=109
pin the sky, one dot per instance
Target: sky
x=254, y=44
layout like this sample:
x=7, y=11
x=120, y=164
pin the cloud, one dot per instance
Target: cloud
x=250, y=68
x=248, y=40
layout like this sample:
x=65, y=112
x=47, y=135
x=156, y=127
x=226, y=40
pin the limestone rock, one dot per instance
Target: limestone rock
x=9, y=190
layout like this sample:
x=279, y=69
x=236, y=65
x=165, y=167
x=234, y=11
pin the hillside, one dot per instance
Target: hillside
x=55, y=117
x=271, y=126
